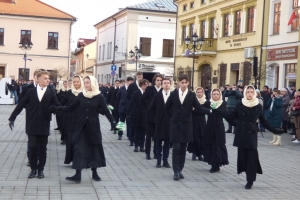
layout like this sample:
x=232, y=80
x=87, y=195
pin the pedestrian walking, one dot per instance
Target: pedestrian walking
x=266, y=95
x=111, y=100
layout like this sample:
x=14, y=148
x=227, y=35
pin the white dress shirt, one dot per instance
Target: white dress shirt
x=157, y=88
x=166, y=95
x=41, y=92
x=182, y=95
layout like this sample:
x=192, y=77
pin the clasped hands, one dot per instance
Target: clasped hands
x=55, y=109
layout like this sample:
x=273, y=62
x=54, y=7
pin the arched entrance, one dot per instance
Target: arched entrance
x=205, y=75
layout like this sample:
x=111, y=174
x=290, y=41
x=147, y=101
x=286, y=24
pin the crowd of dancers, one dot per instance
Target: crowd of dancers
x=174, y=118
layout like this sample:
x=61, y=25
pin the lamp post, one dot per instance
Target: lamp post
x=26, y=45
x=137, y=54
x=87, y=57
x=195, y=45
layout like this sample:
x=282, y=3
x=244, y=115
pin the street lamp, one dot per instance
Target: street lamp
x=26, y=45
x=195, y=45
x=87, y=57
x=137, y=54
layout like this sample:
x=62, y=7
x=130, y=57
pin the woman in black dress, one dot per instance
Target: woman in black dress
x=215, y=152
x=199, y=122
x=87, y=137
x=71, y=117
x=246, y=113
x=61, y=90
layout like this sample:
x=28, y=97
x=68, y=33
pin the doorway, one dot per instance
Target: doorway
x=2, y=71
x=205, y=75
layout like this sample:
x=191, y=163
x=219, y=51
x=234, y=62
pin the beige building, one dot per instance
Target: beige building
x=227, y=27
x=33, y=22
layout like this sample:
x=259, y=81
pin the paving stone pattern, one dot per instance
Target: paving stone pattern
x=129, y=175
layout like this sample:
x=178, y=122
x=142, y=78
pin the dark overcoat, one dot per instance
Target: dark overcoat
x=111, y=96
x=89, y=109
x=161, y=120
x=71, y=117
x=214, y=129
x=285, y=104
x=146, y=100
x=181, y=128
x=131, y=89
x=122, y=99
x=199, y=121
x=38, y=115
x=25, y=90
x=275, y=115
x=137, y=110
x=246, y=130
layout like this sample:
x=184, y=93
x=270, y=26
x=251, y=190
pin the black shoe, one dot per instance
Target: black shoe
x=28, y=164
x=214, y=170
x=228, y=131
x=95, y=176
x=200, y=158
x=292, y=133
x=158, y=165
x=131, y=144
x=56, y=129
x=63, y=142
x=176, y=176
x=166, y=165
x=142, y=149
x=40, y=175
x=248, y=185
x=76, y=178
x=120, y=138
x=194, y=156
x=136, y=149
x=32, y=174
x=284, y=131
x=148, y=157
x=181, y=175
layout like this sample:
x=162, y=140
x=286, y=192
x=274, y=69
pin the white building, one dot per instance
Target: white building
x=282, y=48
x=151, y=27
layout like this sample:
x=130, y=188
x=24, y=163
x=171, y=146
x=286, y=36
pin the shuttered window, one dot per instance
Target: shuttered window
x=145, y=46
x=168, y=47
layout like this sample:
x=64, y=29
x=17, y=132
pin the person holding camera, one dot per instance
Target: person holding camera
x=234, y=96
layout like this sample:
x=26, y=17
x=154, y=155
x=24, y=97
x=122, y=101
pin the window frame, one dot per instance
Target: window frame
x=192, y=4
x=192, y=28
x=143, y=49
x=99, y=53
x=203, y=1
x=48, y=47
x=212, y=27
x=238, y=20
x=170, y=48
x=250, y=21
x=296, y=9
x=226, y=25
x=103, y=53
x=184, y=7
x=202, y=28
x=25, y=35
x=183, y=34
x=277, y=13
x=2, y=35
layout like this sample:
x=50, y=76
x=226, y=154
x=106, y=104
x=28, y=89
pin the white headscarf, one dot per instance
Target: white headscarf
x=59, y=86
x=219, y=102
x=201, y=100
x=95, y=88
x=250, y=103
x=73, y=89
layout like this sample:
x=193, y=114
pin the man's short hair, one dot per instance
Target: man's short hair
x=143, y=82
x=40, y=73
x=167, y=79
x=139, y=73
x=117, y=81
x=122, y=81
x=266, y=86
x=129, y=79
x=234, y=85
x=155, y=77
x=182, y=77
x=37, y=71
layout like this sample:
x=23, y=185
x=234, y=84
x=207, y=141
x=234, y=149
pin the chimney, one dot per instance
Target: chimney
x=13, y=1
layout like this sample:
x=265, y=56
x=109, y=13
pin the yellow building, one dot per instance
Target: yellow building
x=227, y=27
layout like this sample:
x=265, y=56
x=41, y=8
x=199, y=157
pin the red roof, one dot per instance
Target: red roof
x=32, y=8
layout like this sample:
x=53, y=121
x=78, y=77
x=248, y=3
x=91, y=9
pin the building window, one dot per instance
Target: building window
x=103, y=53
x=24, y=74
x=296, y=9
x=212, y=27
x=145, y=46
x=250, y=19
x=99, y=53
x=184, y=7
x=25, y=37
x=203, y=1
x=226, y=25
x=291, y=68
x=237, y=22
x=277, y=9
x=52, y=40
x=192, y=4
x=168, y=48
x=192, y=26
x=183, y=33
x=202, y=33
x=1, y=36
x=109, y=49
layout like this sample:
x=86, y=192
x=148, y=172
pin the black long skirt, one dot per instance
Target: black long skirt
x=248, y=162
x=88, y=155
x=69, y=148
x=216, y=154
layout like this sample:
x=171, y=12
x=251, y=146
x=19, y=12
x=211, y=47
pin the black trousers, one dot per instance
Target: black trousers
x=35, y=142
x=178, y=157
x=139, y=137
x=122, y=119
x=69, y=148
x=115, y=113
x=162, y=150
x=150, y=129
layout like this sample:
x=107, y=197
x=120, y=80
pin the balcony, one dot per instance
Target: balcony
x=209, y=48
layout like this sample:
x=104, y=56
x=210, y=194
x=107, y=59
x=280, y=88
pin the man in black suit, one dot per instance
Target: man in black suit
x=179, y=107
x=123, y=102
x=37, y=102
x=146, y=100
x=111, y=100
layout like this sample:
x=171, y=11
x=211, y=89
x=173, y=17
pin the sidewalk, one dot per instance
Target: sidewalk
x=128, y=175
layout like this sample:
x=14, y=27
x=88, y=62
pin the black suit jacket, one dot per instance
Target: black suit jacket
x=131, y=89
x=24, y=91
x=112, y=96
x=71, y=117
x=162, y=121
x=122, y=100
x=137, y=110
x=146, y=100
x=38, y=116
x=181, y=116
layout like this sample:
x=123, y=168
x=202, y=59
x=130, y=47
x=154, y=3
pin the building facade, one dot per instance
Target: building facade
x=47, y=28
x=150, y=27
x=227, y=27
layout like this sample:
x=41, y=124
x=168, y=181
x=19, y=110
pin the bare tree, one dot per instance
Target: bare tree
x=61, y=72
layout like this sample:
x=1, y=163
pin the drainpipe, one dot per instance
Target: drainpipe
x=113, y=62
x=261, y=49
x=175, y=39
x=69, y=51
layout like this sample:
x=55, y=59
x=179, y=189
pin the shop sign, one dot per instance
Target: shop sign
x=146, y=67
x=287, y=53
x=236, y=42
x=291, y=76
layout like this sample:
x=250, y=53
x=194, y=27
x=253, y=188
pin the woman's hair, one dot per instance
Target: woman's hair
x=276, y=91
x=215, y=90
x=200, y=88
x=65, y=81
x=155, y=77
x=258, y=94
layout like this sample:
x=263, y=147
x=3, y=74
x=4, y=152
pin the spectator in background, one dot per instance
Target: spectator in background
x=292, y=91
x=222, y=89
x=285, y=103
x=104, y=91
x=266, y=95
x=234, y=96
x=292, y=118
x=296, y=107
x=19, y=88
x=241, y=89
x=275, y=115
x=13, y=89
x=207, y=92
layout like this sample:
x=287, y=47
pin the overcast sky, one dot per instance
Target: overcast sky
x=88, y=13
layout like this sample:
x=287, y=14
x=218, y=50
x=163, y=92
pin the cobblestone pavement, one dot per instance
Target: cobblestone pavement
x=129, y=175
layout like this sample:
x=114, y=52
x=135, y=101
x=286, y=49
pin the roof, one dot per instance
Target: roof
x=150, y=5
x=32, y=8
x=83, y=42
